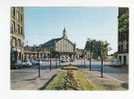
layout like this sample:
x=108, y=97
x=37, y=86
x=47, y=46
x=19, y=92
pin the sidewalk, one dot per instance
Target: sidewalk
x=109, y=82
x=30, y=81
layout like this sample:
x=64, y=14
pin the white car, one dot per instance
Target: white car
x=27, y=63
x=68, y=59
x=115, y=62
x=62, y=59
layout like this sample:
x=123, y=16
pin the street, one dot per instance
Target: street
x=28, y=77
x=120, y=73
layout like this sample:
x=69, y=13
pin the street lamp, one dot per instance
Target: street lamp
x=56, y=59
x=101, y=57
x=59, y=59
x=90, y=62
x=101, y=68
x=50, y=59
x=90, y=55
x=39, y=63
x=84, y=58
x=39, y=70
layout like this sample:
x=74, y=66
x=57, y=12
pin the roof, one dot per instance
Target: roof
x=51, y=43
x=31, y=48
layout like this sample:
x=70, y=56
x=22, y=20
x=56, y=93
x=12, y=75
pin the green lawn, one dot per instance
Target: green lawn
x=57, y=83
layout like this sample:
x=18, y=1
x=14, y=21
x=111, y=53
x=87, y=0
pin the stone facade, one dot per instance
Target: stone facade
x=17, y=33
x=35, y=53
x=60, y=46
x=64, y=45
x=54, y=48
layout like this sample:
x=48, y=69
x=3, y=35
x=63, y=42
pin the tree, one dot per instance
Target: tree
x=89, y=48
x=123, y=22
x=103, y=50
x=97, y=49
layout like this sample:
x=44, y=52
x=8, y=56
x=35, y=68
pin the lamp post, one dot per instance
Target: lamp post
x=50, y=60
x=90, y=62
x=39, y=64
x=59, y=59
x=90, y=55
x=84, y=58
x=101, y=57
x=101, y=66
x=56, y=59
x=39, y=70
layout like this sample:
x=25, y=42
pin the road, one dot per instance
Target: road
x=27, y=75
x=120, y=73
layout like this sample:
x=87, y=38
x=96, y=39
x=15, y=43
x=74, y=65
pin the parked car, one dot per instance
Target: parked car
x=18, y=64
x=27, y=63
x=115, y=62
x=67, y=59
x=35, y=62
x=62, y=60
x=41, y=63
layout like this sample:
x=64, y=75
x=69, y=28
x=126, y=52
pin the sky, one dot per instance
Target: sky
x=45, y=23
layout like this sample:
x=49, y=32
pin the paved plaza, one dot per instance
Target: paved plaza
x=27, y=79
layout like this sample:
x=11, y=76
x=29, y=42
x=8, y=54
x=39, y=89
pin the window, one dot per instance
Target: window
x=18, y=29
x=120, y=58
x=119, y=48
x=127, y=46
x=13, y=27
x=13, y=11
x=19, y=43
x=21, y=30
x=13, y=42
x=17, y=15
x=122, y=47
x=21, y=19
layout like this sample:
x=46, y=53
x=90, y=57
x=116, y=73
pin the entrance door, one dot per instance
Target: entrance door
x=124, y=60
x=120, y=59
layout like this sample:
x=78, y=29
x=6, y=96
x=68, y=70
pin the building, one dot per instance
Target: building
x=123, y=35
x=17, y=34
x=35, y=53
x=54, y=48
x=60, y=46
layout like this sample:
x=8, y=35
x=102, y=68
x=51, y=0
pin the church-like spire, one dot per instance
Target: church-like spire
x=64, y=33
